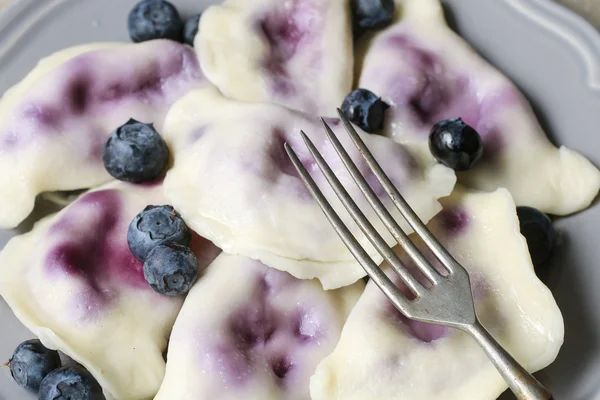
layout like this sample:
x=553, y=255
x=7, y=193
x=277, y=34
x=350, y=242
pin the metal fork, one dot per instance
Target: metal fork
x=449, y=300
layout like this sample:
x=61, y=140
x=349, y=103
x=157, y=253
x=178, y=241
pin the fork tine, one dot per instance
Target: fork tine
x=407, y=212
x=376, y=274
x=380, y=209
x=362, y=221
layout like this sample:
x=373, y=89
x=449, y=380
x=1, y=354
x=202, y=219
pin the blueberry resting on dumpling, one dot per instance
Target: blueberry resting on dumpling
x=135, y=152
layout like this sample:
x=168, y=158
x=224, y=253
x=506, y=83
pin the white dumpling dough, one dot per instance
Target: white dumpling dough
x=382, y=355
x=427, y=73
x=293, y=52
x=251, y=332
x=53, y=124
x=74, y=283
x=234, y=184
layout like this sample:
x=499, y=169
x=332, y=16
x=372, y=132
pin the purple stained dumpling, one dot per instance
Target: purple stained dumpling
x=235, y=185
x=74, y=283
x=260, y=339
x=426, y=73
x=297, y=53
x=54, y=123
x=382, y=355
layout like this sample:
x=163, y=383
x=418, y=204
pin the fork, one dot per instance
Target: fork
x=448, y=300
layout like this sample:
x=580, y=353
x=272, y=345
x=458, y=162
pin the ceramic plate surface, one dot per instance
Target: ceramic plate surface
x=552, y=54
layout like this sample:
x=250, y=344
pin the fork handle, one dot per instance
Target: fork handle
x=521, y=382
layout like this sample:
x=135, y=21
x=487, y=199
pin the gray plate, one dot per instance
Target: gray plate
x=552, y=54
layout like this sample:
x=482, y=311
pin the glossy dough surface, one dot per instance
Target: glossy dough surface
x=74, y=283
x=382, y=355
x=234, y=184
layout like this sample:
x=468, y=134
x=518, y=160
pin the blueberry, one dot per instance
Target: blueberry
x=171, y=269
x=365, y=109
x=135, y=152
x=539, y=233
x=455, y=144
x=154, y=19
x=371, y=14
x=31, y=362
x=190, y=29
x=153, y=226
x=70, y=383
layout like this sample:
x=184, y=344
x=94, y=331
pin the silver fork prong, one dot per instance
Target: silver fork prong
x=361, y=220
x=374, y=272
x=407, y=212
x=421, y=262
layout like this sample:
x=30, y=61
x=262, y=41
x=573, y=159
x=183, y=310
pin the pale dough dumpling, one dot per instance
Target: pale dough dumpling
x=384, y=356
x=53, y=124
x=234, y=184
x=293, y=52
x=427, y=73
x=74, y=283
x=251, y=332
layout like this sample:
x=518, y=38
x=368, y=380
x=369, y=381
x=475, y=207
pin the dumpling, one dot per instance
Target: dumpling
x=297, y=53
x=250, y=332
x=234, y=184
x=427, y=73
x=74, y=283
x=54, y=123
x=382, y=355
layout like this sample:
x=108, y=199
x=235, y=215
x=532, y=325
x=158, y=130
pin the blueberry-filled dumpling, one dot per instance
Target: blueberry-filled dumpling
x=384, y=356
x=75, y=284
x=234, y=184
x=297, y=53
x=251, y=332
x=54, y=123
x=427, y=74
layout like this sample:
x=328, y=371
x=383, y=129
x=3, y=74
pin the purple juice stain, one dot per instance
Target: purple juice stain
x=282, y=365
x=44, y=115
x=249, y=329
x=88, y=85
x=236, y=363
x=430, y=93
x=421, y=331
x=78, y=93
x=280, y=164
x=285, y=31
x=430, y=97
x=97, y=251
x=196, y=134
x=453, y=220
x=332, y=122
x=8, y=140
x=256, y=330
x=252, y=326
x=278, y=155
x=426, y=91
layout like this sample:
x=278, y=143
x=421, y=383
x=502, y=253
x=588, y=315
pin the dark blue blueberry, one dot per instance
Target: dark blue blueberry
x=539, y=233
x=371, y=14
x=154, y=19
x=135, y=152
x=190, y=29
x=365, y=109
x=153, y=226
x=171, y=269
x=31, y=362
x=455, y=144
x=70, y=383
